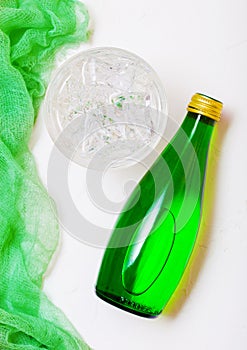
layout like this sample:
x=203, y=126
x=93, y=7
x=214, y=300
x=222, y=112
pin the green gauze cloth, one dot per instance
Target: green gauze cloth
x=30, y=33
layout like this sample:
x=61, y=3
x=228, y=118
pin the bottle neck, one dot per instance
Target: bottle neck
x=191, y=141
x=197, y=126
x=197, y=131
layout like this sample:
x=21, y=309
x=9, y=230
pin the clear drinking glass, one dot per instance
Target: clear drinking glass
x=105, y=106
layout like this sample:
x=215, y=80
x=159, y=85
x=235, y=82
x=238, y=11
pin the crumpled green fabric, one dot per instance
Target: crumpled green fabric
x=31, y=31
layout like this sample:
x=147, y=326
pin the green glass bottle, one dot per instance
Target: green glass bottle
x=155, y=234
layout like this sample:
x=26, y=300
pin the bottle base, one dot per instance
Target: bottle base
x=127, y=305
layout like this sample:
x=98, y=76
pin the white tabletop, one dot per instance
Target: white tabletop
x=194, y=46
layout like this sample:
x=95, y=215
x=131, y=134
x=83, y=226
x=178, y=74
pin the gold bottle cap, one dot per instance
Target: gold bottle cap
x=202, y=104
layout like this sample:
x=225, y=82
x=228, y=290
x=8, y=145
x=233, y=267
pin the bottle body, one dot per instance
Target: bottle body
x=155, y=234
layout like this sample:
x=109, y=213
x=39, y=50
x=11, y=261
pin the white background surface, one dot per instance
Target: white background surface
x=193, y=46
